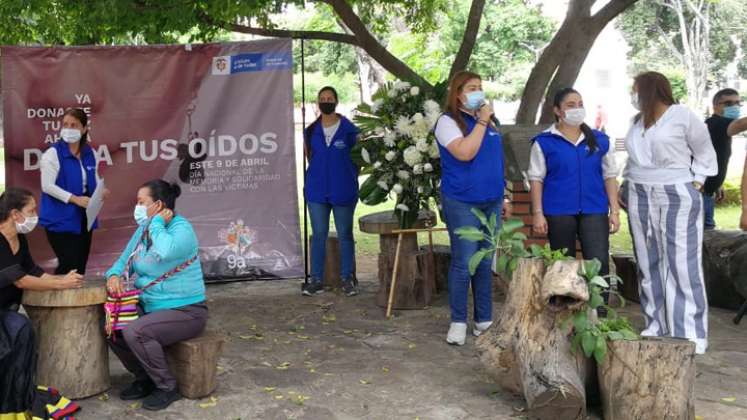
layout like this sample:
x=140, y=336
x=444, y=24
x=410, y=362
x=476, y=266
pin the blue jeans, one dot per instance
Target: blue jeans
x=709, y=210
x=319, y=213
x=458, y=214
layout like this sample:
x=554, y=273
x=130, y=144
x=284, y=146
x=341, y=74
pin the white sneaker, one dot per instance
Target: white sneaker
x=701, y=345
x=481, y=327
x=457, y=333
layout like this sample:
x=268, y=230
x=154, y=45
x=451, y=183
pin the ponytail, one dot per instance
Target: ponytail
x=165, y=192
x=591, y=139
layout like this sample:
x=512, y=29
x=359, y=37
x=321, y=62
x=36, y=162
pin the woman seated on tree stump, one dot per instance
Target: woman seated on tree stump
x=161, y=264
x=20, y=395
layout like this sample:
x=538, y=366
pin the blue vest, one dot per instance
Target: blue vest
x=55, y=215
x=574, y=183
x=479, y=180
x=331, y=177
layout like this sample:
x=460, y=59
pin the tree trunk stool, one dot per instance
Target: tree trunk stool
x=194, y=362
x=442, y=260
x=73, y=355
x=332, y=275
x=414, y=280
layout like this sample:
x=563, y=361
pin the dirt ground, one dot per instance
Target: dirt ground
x=332, y=357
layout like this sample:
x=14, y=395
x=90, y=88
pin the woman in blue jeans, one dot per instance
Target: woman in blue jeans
x=331, y=186
x=472, y=177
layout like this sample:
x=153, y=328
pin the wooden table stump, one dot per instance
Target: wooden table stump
x=442, y=260
x=651, y=378
x=73, y=355
x=415, y=282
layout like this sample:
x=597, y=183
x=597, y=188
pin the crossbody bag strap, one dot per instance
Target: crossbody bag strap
x=177, y=269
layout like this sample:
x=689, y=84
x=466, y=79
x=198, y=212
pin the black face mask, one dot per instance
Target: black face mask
x=327, y=107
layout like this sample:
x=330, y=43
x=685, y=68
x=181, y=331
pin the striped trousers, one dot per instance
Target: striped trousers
x=666, y=222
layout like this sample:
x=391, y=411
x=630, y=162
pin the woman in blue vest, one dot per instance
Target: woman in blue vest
x=331, y=186
x=472, y=177
x=572, y=172
x=68, y=179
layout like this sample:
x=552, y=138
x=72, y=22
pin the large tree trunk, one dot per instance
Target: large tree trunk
x=652, y=378
x=528, y=352
x=561, y=61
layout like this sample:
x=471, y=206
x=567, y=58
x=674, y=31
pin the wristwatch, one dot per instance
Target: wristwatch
x=698, y=186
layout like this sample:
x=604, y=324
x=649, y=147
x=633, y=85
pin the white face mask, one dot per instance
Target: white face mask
x=70, y=135
x=574, y=116
x=28, y=224
x=635, y=101
x=141, y=214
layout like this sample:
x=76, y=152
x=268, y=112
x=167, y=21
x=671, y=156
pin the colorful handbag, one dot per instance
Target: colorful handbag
x=121, y=308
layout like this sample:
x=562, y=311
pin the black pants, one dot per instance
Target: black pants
x=17, y=362
x=71, y=249
x=592, y=230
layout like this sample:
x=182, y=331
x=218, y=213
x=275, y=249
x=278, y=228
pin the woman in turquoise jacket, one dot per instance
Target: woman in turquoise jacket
x=161, y=260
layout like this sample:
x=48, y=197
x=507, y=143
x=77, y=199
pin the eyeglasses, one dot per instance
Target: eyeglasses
x=731, y=103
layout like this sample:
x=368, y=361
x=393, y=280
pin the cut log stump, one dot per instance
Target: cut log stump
x=527, y=351
x=651, y=378
x=73, y=355
x=194, y=362
x=441, y=262
x=415, y=284
x=332, y=277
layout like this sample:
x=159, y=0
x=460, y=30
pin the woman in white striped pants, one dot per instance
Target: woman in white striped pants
x=669, y=156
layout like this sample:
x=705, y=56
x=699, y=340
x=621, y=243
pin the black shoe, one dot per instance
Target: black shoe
x=161, y=399
x=138, y=389
x=312, y=288
x=350, y=286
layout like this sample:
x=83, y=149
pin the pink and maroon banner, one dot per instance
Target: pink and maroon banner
x=217, y=118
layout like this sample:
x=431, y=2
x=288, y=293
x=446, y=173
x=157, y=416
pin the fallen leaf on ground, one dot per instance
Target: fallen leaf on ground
x=212, y=402
x=411, y=346
x=364, y=382
x=283, y=366
x=270, y=388
x=279, y=397
x=302, y=337
x=329, y=318
x=385, y=369
x=104, y=397
x=698, y=417
x=312, y=370
x=728, y=399
x=266, y=364
x=136, y=405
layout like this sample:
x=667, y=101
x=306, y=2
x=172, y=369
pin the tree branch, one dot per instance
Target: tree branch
x=285, y=33
x=468, y=39
x=611, y=10
x=372, y=46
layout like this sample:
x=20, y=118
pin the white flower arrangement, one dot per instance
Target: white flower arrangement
x=398, y=149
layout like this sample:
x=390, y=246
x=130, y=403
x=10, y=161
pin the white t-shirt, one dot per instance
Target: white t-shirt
x=447, y=130
x=329, y=132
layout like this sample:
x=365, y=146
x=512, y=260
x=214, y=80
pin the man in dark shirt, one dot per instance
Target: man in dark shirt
x=722, y=125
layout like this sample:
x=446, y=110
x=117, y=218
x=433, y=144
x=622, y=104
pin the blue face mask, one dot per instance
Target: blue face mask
x=141, y=214
x=732, y=112
x=475, y=100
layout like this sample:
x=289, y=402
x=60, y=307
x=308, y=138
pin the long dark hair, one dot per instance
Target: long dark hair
x=164, y=192
x=652, y=87
x=82, y=117
x=13, y=199
x=591, y=139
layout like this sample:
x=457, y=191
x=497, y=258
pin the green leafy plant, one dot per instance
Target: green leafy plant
x=507, y=239
x=592, y=336
x=548, y=254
